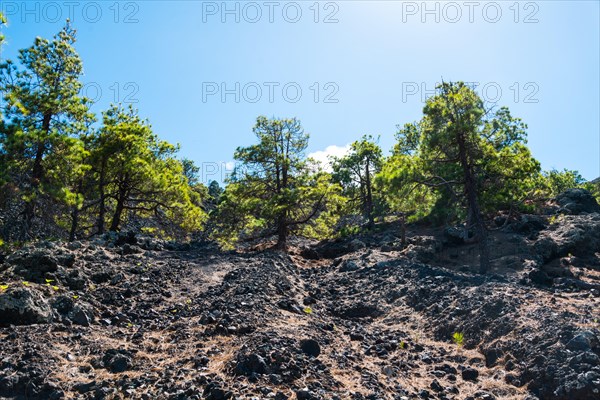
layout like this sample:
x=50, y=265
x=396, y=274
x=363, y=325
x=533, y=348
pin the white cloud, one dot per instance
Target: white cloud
x=322, y=156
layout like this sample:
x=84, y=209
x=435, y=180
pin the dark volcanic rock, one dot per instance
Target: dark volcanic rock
x=33, y=265
x=528, y=225
x=577, y=201
x=250, y=364
x=454, y=236
x=305, y=394
x=577, y=235
x=117, y=360
x=310, y=347
x=75, y=311
x=23, y=306
x=201, y=324
x=359, y=310
x=470, y=374
x=332, y=249
x=539, y=277
x=584, y=341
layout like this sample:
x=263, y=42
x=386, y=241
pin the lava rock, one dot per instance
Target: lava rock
x=305, y=394
x=81, y=316
x=584, y=341
x=33, y=265
x=576, y=201
x=117, y=360
x=84, y=387
x=250, y=364
x=470, y=374
x=360, y=310
x=23, y=306
x=529, y=225
x=310, y=347
x=540, y=277
x=454, y=236
x=435, y=385
x=577, y=235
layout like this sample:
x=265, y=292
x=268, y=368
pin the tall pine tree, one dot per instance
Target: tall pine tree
x=46, y=115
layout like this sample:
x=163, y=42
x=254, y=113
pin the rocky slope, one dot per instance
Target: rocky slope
x=129, y=318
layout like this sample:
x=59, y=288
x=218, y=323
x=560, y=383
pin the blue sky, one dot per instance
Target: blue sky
x=344, y=68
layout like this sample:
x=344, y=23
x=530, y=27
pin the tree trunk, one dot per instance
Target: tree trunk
x=120, y=206
x=282, y=227
x=282, y=232
x=74, y=223
x=102, y=206
x=369, y=202
x=75, y=215
x=473, y=204
x=37, y=174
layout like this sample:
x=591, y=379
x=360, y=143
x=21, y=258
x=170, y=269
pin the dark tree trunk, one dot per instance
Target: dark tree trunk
x=102, y=201
x=282, y=220
x=120, y=206
x=37, y=175
x=75, y=216
x=74, y=223
x=473, y=204
x=282, y=232
x=369, y=199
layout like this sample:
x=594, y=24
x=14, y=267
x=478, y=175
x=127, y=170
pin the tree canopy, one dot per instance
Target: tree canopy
x=356, y=173
x=66, y=173
x=272, y=189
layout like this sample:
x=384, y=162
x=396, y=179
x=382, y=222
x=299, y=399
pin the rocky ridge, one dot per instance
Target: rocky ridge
x=363, y=318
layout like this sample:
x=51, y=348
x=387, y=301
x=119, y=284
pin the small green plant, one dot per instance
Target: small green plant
x=307, y=310
x=75, y=297
x=402, y=344
x=555, y=219
x=3, y=287
x=458, y=338
x=55, y=288
x=49, y=281
x=25, y=283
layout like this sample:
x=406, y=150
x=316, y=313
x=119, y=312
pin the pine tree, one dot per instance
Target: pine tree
x=136, y=174
x=46, y=115
x=461, y=156
x=272, y=190
x=356, y=172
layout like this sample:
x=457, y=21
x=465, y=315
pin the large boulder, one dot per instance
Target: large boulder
x=577, y=235
x=423, y=248
x=23, y=306
x=577, y=201
x=34, y=264
x=455, y=236
x=528, y=225
x=75, y=311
